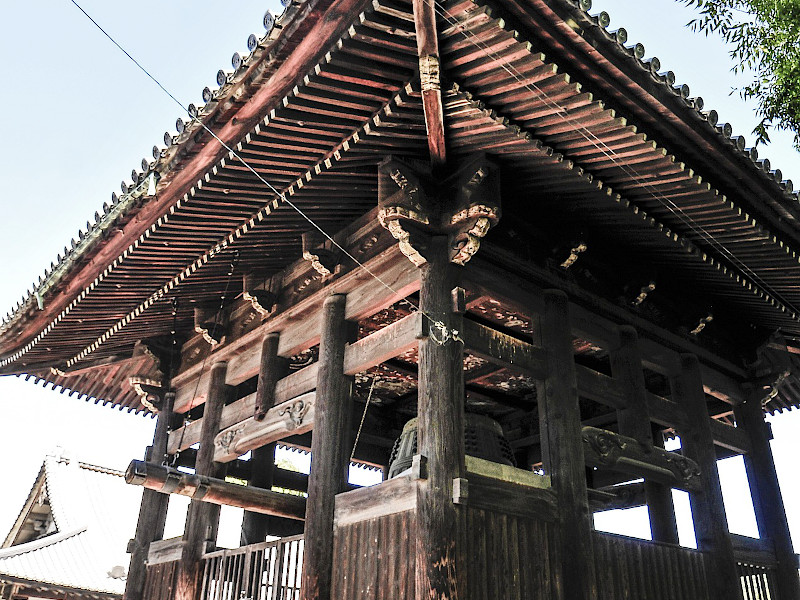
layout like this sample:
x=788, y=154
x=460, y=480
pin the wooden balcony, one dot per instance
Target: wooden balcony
x=512, y=541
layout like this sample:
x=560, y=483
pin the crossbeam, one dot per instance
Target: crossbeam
x=214, y=491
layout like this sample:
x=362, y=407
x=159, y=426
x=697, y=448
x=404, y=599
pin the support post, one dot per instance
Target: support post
x=330, y=451
x=663, y=523
x=440, y=428
x=708, y=509
x=562, y=451
x=255, y=526
x=153, y=510
x=202, y=519
x=271, y=370
x=634, y=421
x=766, y=493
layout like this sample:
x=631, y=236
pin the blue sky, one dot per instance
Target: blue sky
x=78, y=117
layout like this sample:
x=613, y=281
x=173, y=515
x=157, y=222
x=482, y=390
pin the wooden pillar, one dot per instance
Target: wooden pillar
x=202, y=519
x=331, y=444
x=255, y=526
x=272, y=368
x=634, y=421
x=663, y=523
x=440, y=431
x=562, y=450
x=153, y=510
x=708, y=509
x=766, y=493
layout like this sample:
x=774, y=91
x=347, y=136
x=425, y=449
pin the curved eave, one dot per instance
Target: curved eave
x=576, y=40
x=283, y=56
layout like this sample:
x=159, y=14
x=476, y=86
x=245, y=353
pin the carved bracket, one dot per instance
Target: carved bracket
x=262, y=299
x=150, y=392
x=476, y=210
x=210, y=323
x=326, y=262
x=609, y=450
x=774, y=366
x=412, y=207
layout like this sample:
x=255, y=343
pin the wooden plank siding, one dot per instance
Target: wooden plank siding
x=644, y=570
x=506, y=557
x=511, y=557
x=159, y=581
x=376, y=558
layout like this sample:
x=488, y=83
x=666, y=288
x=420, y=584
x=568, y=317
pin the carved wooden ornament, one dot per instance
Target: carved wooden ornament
x=413, y=207
x=150, y=392
x=606, y=449
x=292, y=417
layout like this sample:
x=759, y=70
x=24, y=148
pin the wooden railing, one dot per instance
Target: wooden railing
x=756, y=567
x=265, y=571
x=758, y=581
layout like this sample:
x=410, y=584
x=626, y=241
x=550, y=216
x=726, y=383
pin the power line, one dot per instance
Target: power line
x=447, y=333
x=590, y=136
x=560, y=111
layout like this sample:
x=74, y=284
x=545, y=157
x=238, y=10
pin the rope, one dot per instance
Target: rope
x=363, y=417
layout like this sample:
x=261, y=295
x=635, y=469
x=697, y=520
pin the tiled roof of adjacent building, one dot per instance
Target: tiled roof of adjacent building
x=72, y=533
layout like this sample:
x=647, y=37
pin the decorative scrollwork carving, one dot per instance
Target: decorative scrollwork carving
x=605, y=445
x=464, y=207
x=150, y=392
x=295, y=413
x=226, y=440
x=606, y=449
x=684, y=467
x=262, y=301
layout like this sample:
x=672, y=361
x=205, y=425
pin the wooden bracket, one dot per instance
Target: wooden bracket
x=476, y=210
x=260, y=296
x=150, y=392
x=210, y=322
x=404, y=209
x=609, y=450
x=324, y=261
x=413, y=207
x=419, y=467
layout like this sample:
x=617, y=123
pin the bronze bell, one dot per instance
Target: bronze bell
x=483, y=438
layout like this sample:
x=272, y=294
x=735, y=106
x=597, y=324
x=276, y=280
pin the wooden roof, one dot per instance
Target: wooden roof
x=597, y=141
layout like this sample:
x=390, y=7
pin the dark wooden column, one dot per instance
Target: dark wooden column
x=766, y=493
x=708, y=509
x=562, y=450
x=202, y=519
x=634, y=421
x=331, y=444
x=255, y=526
x=663, y=523
x=440, y=430
x=153, y=510
x=271, y=370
